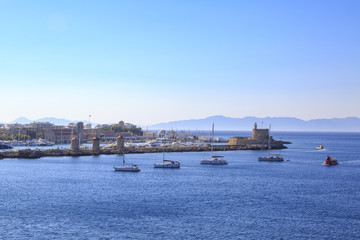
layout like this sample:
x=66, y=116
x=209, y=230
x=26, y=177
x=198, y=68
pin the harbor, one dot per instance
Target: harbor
x=259, y=140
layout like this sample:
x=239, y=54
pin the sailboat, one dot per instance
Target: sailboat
x=271, y=157
x=214, y=160
x=123, y=168
x=167, y=163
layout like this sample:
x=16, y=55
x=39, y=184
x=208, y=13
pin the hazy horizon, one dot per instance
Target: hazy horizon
x=149, y=62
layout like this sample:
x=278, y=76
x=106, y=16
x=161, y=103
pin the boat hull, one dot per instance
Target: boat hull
x=213, y=162
x=330, y=164
x=126, y=169
x=159, y=165
x=270, y=159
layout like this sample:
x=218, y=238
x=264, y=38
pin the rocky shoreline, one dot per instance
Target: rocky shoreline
x=57, y=152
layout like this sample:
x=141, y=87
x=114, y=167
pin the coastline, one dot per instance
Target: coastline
x=57, y=152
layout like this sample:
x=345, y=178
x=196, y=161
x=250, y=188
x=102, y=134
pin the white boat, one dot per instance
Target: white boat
x=17, y=143
x=214, y=160
x=167, y=163
x=271, y=157
x=130, y=144
x=44, y=142
x=123, y=168
x=32, y=143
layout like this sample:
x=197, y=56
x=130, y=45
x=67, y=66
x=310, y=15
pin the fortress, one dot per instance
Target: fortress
x=260, y=137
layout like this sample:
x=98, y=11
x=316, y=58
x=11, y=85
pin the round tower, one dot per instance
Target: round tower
x=96, y=144
x=75, y=146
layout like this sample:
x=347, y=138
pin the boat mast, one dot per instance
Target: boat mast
x=163, y=153
x=269, y=139
x=123, y=153
x=212, y=140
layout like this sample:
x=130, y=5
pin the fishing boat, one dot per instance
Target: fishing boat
x=271, y=157
x=330, y=161
x=167, y=163
x=214, y=160
x=320, y=147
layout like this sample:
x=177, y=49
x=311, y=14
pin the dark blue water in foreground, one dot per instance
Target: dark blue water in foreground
x=83, y=198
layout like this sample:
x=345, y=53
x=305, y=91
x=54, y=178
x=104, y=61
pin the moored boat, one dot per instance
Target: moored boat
x=167, y=164
x=131, y=168
x=214, y=160
x=272, y=158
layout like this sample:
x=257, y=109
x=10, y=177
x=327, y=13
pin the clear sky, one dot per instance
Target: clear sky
x=156, y=61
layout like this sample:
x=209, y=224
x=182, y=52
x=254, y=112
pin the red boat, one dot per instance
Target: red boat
x=330, y=161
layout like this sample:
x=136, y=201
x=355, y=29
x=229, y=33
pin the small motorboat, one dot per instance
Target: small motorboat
x=330, y=161
x=320, y=147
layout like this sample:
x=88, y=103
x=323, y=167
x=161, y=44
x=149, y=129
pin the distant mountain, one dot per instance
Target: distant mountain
x=349, y=124
x=22, y=120
x=56, y=121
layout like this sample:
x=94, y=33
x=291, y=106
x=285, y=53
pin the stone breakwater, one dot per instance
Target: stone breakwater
x=56, y=152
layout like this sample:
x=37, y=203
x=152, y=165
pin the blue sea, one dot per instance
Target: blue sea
x=83, y=198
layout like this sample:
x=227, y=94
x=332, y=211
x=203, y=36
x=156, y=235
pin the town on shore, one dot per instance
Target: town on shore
x=117, y=138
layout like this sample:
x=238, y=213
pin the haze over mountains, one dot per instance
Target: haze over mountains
x=349, y=124
x=56, y=121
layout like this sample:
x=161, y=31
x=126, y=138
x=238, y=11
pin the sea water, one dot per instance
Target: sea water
x=83, y=198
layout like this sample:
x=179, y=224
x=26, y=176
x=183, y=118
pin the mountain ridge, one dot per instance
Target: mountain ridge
x=348, y=124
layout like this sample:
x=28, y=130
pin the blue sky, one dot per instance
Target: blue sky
x=156, y=61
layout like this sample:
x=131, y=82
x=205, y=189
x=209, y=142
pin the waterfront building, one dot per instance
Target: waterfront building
x=56, y=135
x=148, y=134
x=39, y=125
x=129, y=125
x=108, y=135
x=161, y=134
x=72, y=125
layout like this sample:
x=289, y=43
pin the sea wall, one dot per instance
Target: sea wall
x=274, y=144
x=56, y=152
